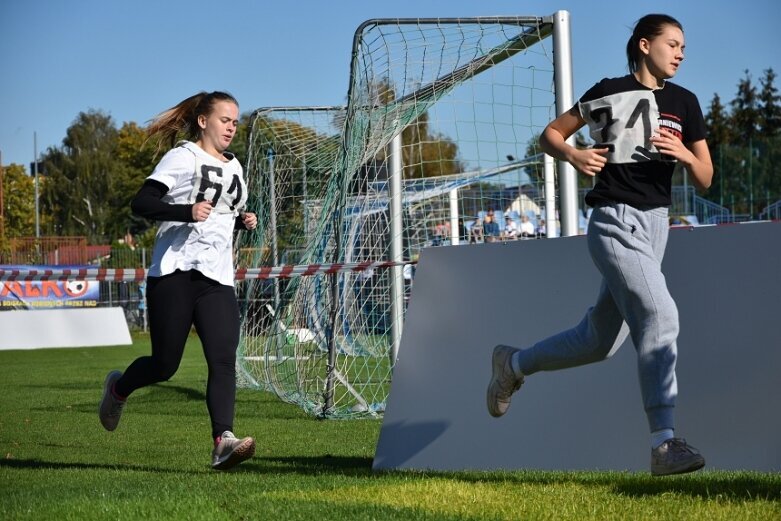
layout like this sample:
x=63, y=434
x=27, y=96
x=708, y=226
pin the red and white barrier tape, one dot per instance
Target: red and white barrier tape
x=139, y=274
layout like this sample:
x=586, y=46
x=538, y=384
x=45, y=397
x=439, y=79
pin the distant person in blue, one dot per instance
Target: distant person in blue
x=198, y=194
x=542, y=231
x=142, y=304
x=643, y=125
x=491, y=231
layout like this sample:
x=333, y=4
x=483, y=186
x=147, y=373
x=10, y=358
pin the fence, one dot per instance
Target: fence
x=130, y=295
x=50, y=250
x=772, y=212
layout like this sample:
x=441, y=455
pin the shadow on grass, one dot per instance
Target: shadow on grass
x=305, y=466
x=722, y=486
x=35, y=464
x=156, y=394
x=355, y=466
x=187, y=392
x=67, y=386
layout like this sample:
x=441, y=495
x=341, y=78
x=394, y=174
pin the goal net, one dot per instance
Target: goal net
x=440, y=128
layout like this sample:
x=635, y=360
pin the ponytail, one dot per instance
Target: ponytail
x=181, y=120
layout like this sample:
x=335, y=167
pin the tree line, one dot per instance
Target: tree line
x=89, y=180
x=745, y=143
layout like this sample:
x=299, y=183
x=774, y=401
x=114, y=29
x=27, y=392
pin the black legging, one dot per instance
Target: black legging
x=176, y=302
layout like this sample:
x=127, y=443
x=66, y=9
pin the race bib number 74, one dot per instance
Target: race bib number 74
x=624, y=123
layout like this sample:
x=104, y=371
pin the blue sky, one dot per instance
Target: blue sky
x=133, y=59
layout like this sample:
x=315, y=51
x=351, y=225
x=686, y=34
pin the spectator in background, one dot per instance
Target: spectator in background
x=142, y=304
x=542, y=231
x=130, y=241
x=476, y=232
x=441, y=233
x=491, y=230
x=527, y=228
x=437, y=235
x=510, y=228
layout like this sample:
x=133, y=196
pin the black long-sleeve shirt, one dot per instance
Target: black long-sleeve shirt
x=148, y=203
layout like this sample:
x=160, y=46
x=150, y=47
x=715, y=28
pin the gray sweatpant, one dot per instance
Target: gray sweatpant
x=627, y=246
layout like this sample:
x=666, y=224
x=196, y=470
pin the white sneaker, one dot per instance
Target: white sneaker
x=110, y=408
x=231, y=451
x=503, y=381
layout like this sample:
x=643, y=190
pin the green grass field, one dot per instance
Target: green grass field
x=58, y=462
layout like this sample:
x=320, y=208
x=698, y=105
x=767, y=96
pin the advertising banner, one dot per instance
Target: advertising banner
x=48, y=294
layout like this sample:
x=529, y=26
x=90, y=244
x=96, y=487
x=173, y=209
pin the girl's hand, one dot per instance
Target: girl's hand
x=669, y=144
x=250, y=220
x=590, y=161
x=201, y=211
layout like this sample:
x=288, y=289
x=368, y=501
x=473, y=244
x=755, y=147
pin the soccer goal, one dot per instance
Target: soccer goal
x=440, y=128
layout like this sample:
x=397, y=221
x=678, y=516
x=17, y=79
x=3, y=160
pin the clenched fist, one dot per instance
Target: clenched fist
x=249, y=219
x=202, y=210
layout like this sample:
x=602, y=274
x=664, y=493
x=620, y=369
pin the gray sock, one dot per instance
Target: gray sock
x=659, y=437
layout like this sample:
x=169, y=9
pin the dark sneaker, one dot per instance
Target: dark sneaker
x=110, y=407
x=231, y=451
x=675, y=456
x=503, y=381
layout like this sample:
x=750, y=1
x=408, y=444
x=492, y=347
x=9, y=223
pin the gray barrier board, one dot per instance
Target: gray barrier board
x=726, y=281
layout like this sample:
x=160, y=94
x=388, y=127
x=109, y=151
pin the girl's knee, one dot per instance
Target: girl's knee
x=601, y=352
x=163, y=372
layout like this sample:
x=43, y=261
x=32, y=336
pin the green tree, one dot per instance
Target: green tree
x=767, y=174
x=768, y=147
x=426, y=153
x=241, y=139
x=719, y=133
x=136, y=160
x=769, y=106
x=302, y=160
x=134, y=149
x=18, y=202
x=89, y=186
x=745, y=115
x=751, y=163
x=717, y=123
x=77, y=192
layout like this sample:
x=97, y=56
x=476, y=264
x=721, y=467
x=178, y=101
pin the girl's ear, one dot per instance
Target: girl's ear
x=202, y=122
x=645, y=46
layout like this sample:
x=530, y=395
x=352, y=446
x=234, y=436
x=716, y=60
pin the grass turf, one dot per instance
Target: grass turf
x=58, y=463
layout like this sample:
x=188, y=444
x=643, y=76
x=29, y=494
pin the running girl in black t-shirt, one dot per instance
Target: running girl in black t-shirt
x=642, y=125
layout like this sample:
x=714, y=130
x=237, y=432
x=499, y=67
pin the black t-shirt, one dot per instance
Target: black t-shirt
x=622, y=114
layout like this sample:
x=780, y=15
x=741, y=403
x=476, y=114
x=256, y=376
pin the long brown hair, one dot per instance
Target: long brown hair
x=181, y=120
x=649, y=27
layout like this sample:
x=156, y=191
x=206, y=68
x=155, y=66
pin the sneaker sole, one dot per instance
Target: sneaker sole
x=683, y=469
x=498, y=361
x=243, y=452
x=110, y=378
